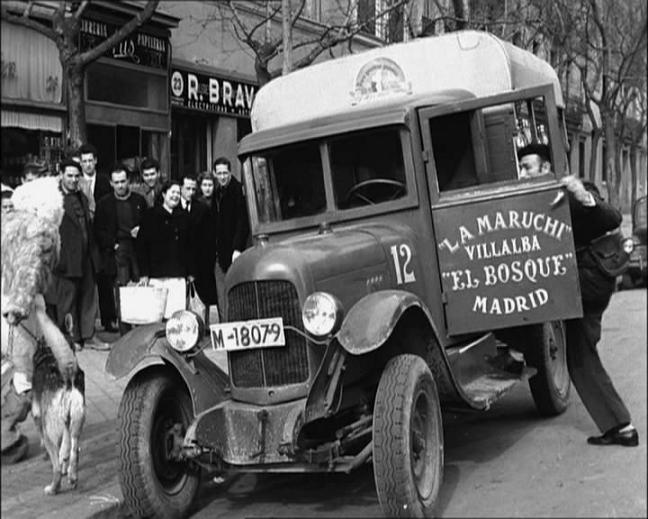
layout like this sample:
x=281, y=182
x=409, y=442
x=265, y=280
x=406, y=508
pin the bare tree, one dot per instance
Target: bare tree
x=63, y=28
x=270, y=32
x=606, y=42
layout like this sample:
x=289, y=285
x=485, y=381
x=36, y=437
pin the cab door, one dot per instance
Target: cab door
x=504, y=244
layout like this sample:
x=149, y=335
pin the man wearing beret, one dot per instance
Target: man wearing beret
x=591, y=218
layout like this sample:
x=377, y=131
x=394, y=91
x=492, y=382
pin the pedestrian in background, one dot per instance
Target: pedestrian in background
x=74, y=280
x=206, y=184
x=95, y=187
x=203, y=239
x=164, y=252
x=591, y=218
x=116, y=226
x=7, y=204
x=151, y=185
x=231, y=222
x=32, y=171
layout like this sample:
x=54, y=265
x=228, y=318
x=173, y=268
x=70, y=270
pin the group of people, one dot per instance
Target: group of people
x=115, y=233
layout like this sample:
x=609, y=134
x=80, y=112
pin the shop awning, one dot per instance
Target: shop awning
x=31, y=121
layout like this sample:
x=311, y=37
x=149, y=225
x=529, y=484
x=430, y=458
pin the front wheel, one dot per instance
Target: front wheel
x=546, y=350
x=407, y=439
x=154, y=414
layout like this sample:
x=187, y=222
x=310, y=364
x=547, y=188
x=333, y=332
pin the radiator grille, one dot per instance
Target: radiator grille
x=269, y=366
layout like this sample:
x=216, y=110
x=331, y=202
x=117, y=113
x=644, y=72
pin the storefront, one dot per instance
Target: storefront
x=127, y=100
x=33, y=112
x=210, y=114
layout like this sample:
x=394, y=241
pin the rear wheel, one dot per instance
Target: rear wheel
x=407, y=439
x=546, y=350
x=154, y=414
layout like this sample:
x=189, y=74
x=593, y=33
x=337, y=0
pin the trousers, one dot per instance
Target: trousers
x=77, y=296
x=587, y=373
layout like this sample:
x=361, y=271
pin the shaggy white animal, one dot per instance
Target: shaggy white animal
x=41, y=197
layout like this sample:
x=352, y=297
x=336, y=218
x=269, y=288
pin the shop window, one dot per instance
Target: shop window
x=243, y=127
x=125, y=86
x=20, y=146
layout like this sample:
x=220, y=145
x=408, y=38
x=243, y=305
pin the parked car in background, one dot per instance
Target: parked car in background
x=636, y=273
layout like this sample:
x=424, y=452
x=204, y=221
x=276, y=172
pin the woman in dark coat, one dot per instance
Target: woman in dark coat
x=164, y=248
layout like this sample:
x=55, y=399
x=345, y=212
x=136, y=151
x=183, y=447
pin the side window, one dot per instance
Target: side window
x=480, y=146
x=367, y=168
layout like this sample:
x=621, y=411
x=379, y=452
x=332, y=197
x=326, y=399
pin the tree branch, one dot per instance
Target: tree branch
x=81, y=8
x=30, y=23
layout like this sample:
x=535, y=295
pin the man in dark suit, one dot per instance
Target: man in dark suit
x=591, y=218
x=116, y=225
x=232, y=223
x=202, y=238
x=95, y=187
x=75, y=271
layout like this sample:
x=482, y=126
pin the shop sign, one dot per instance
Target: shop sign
x=138, y=48
x=507, y=264
x=210, y=93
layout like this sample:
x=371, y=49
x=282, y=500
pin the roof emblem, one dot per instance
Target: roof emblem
x=379, y=78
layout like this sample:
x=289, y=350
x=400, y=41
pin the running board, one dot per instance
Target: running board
x=484, y=371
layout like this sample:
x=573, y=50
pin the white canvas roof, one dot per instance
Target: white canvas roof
x=469, y=60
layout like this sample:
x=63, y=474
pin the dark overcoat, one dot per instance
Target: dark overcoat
x=71, y=257
x=203, y=242
x=105, y=227
x=231, y=220
x=163, y=244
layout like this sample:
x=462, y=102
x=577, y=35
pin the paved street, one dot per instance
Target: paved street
x=505, y=462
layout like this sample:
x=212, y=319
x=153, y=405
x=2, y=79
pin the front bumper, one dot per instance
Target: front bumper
x=238, y=433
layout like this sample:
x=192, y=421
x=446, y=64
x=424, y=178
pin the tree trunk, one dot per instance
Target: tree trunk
x=613, y=174
x=596, y=138
x=286, y=20
x=77, y=129
x=633, y=157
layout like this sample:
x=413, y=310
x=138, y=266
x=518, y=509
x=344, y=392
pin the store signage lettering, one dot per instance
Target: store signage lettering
x=138, y=48
x=507, y=263
x=211, y=94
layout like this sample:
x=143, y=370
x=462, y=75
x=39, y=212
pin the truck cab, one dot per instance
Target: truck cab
x=400, y=264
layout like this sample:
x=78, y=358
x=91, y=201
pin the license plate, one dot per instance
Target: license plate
x=245, y=335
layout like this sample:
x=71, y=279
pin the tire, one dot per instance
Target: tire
x=152, y=484
x=407, y=439
x=546, y=350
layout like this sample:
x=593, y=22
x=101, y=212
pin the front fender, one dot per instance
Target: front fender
x=130, y=349
x=146, y=345
x=371, y=321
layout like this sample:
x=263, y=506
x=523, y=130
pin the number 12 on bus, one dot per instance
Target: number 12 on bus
x=242, y=335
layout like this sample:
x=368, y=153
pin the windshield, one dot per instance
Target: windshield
x=366, y=167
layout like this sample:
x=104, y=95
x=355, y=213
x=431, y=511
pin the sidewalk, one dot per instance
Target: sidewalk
x=97, y=493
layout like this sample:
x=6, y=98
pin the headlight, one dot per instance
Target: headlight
x=628, y=245
x=184, y=330
x=322, y=314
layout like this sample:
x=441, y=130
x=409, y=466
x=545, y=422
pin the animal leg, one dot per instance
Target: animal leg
x=36, y=414
x=77, y=418
x=52, y=451
x=64, y=451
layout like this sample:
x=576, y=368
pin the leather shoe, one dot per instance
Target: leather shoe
x=615, y=437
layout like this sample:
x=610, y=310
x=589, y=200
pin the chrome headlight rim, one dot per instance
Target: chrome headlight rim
x=628, y=245
x=322, y=314
x=183, y=330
